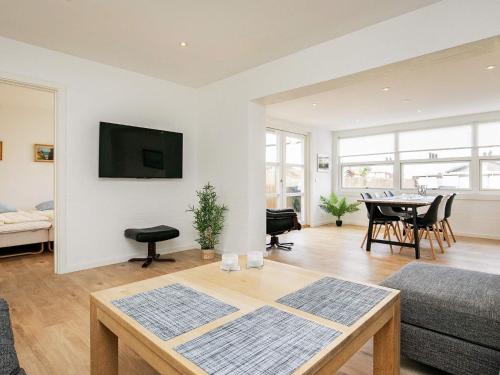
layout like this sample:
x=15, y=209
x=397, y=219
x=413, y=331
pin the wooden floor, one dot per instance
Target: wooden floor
x=50, y=312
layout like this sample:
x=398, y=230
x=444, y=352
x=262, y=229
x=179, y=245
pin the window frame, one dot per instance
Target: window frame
x=439, y=161
x=475, y=160
x=481, y=160
x=367, y=164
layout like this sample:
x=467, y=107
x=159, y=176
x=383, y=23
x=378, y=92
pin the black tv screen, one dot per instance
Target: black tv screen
x=133, y=152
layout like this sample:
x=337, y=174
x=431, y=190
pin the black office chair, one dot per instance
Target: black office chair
x=279, y=222
x=427, y=223
x=447, y=214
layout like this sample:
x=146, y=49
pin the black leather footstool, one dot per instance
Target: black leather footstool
x=152, y=236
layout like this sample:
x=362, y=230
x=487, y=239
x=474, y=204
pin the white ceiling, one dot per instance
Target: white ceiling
x=447, y=83
x=224, y=36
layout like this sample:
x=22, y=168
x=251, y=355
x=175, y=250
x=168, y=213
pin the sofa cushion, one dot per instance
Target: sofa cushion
x=455, y=356
x=9, y=364
x=460, y=303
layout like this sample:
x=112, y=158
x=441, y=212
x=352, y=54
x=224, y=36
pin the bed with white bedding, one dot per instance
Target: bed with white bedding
x=23, y=228
x=50, y=215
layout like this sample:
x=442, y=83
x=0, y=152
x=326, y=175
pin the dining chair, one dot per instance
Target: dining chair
x=427, y=223
x=380, y=219
x=447, y=215
x=440, y=223
x=400, y=211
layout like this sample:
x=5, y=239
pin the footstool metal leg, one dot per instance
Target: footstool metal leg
x=151, y=236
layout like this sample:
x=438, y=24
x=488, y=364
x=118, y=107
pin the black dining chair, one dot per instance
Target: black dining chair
x=447, y=214
x=381, y=219
x=428, y=224
x=400, y=211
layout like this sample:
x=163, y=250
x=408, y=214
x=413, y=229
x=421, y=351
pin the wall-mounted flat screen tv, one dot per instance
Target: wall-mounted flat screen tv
x=133, y=152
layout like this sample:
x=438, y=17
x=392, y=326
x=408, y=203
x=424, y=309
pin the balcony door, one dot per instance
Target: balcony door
x=285, y=171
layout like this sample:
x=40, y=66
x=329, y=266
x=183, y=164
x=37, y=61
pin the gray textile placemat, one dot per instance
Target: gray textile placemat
x=341, y=301
x=173, y=310
x=267, y=341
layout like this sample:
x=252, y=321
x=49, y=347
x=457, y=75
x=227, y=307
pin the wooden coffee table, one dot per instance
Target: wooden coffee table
x=247, y=290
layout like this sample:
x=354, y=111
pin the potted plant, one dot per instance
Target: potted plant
x=337, y=207
x=208, y=220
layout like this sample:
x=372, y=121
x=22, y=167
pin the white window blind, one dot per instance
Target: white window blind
x=436, y=139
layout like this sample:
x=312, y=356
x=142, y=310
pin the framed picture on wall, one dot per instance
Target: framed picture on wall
x=323, y=163
x=44, y=153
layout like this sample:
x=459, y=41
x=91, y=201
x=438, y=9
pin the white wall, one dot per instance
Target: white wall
x=318, y=183
x=475, y=212
x=230, y=127
x=24, y=121
x=228, y=133
x=98, y=210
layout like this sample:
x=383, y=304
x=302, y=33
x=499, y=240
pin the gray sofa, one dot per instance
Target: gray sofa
x=450, y=318
x=9, y=365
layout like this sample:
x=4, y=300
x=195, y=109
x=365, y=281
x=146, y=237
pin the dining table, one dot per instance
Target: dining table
x=410, y=203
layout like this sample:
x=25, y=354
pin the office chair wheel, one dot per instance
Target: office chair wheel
x=275, y=244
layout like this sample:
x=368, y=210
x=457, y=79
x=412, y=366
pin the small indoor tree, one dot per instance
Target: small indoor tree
x=208, y=220
x=337, y=207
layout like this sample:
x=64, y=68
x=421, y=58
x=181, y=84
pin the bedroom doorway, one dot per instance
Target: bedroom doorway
x=27, y=172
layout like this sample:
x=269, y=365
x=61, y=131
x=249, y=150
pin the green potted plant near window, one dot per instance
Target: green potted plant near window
x=208, y=220
x=337, y=207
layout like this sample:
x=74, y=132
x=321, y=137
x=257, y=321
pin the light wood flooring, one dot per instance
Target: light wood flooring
x=50, y=313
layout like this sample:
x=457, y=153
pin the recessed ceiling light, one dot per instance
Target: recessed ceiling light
x=386, y=89
x=314, y=104
x=419, y=110
x=183, y=44
x=491, y=67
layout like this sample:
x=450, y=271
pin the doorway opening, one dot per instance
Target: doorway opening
x=27, y=171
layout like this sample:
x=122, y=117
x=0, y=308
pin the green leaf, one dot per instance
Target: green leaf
x=208, y=217
x=337, y=207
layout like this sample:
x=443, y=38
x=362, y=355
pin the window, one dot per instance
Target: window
x=440, y=143
x=457, y=157
x=285, y=171
x=488, y=139
x=372, y=148
x=271, y=147
x=490, y=174
x=379, y=176
x=440, y=175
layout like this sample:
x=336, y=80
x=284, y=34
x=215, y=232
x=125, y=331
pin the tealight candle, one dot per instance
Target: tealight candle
x=255, y=259
x=230, y=262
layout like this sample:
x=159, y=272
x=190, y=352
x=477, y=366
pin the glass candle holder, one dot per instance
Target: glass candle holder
x=255, y=259
x=230, y=262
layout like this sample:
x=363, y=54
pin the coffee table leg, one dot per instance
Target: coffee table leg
x=103, y=346
x=386, y=345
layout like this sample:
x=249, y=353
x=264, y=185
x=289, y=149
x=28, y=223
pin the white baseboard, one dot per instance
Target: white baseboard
x=478, y=235
x=322, y=222
x=124, y=258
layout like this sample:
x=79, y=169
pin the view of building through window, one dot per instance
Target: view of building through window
x=439, y=158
